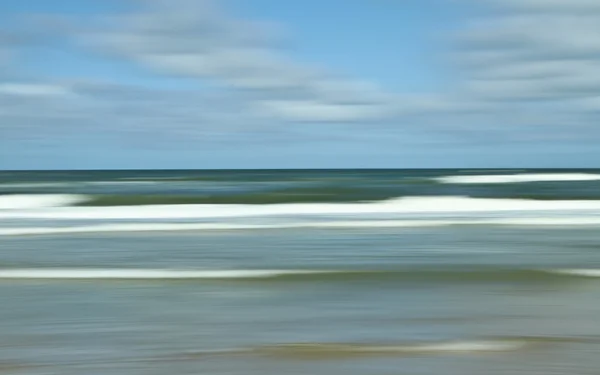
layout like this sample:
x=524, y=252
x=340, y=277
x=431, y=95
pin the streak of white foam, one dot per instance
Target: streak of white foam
x=464, y=346
x=102, y=183
x=394, y=206
x=179, y=227
x=169, y=227
x=546, y=221
x=578, y=272
x=144, y=274
x=31, y=201
x=471, y=346
x=515, y=178
x=33, y=185
x=129, y=227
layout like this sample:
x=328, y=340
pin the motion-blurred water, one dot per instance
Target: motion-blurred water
x=300, y=272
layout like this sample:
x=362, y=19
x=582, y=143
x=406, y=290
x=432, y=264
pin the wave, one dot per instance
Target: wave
x=30, y=201
x=327, y=350
x=145, y=274
x=515, y=178
x=171, y=227
x=356, y=224
x=109, y=183
x=407, y=275
x=32, y=185
x=406, y=205
x=314, y=194
x=333, y=350
x=578, y=272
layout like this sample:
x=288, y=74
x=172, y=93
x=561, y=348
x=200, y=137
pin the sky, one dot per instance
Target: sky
x=205, y=84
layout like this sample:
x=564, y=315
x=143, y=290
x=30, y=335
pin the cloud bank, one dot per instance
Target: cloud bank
x=530, y=71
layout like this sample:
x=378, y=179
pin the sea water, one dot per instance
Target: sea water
x=300, y=272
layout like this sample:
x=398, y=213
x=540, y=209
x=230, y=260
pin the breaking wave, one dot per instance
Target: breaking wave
x=30, y=201
x=356, y=224
x=144, y=274
x=516, y=178
x=326, y=350
x=333, y=350
x=423, y=275
x=44, y=207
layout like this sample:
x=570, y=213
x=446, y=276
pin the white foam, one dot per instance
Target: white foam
x=541, y=221
x=102, y=183
x=471, y=346
x=442, y=205
x=546, y=221
x=514, y=178
x=464, y=346
x=129, y=227
x=30, y=201
x=33, y=185
x=578, y=272
x=145, y=274
x=173, y=227
x=181, y=227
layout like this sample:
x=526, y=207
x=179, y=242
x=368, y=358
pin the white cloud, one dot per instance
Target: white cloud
x=33, y=89
x=532, y=68
x=29, y=111
x=541, y=54
x=321, y=111
x=540, y=35
x=199, y=40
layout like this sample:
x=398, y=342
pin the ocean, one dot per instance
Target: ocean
x=300, y=272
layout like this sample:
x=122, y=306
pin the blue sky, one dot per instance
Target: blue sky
x=311, y=84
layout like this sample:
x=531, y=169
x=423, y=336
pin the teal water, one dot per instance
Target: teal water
x=401, y=284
